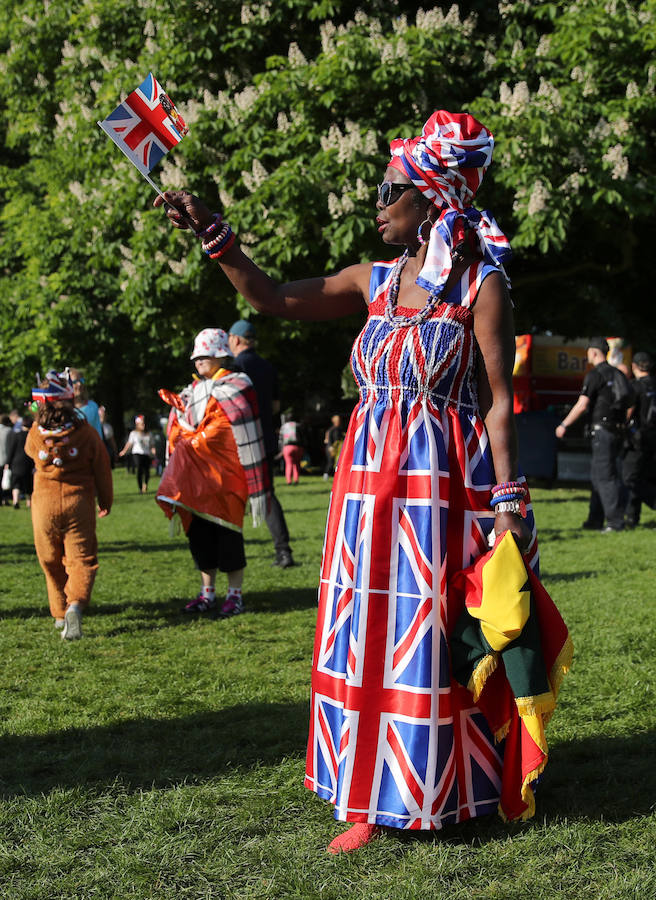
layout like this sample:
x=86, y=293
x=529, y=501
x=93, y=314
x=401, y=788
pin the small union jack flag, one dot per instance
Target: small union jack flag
x=146, y=125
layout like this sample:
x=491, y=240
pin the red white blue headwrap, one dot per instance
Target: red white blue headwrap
x=60, y=387
x=447, y=163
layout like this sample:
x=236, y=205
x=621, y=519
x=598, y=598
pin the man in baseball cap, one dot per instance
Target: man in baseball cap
x=241, y=339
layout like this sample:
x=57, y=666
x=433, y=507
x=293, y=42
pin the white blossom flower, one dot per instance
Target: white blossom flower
x=489, y=60
x=360, y=17
x=520, y=99
x=126, y=251
x=400, y=25
x=577, y=74
x=387, y=52
x=538, y=199
x=632, y=91
x=544, y=46
x=283, y=123
x=178, y=267
x=517, y=50
x=505, y=94
x=601, y=131
x=68, y=50
x=334, y=206
x=348, y=206
x=453, y=16
x=295, y=56
x=620, y=128
x=550, y=94
x=620, y=165
x=430, y=20
x=40, y=81
x=327, y=32
x=571, y=185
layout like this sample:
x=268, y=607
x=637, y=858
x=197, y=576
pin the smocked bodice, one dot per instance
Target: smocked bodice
x=435, y=359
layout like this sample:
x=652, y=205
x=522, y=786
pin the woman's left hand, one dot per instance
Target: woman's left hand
x=508, y=521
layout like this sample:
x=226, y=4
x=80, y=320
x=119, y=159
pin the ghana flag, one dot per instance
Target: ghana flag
x=511, y=649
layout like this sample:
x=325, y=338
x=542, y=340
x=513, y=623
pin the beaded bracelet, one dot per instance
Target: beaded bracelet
x=509, y=492
x=211, y=228
x=503, y=498
x=505, y=485
x=225, y=246
x=215, y=241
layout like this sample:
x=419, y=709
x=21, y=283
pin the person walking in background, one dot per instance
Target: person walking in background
x=109, y=439
x=72, y=469
x=292, y=448
x=87, y=406
x=5, y=473
x=332, y=443
x=600, y=399
x=639, y=465
x=241, y=338
x=142, y=447
x=20, y=464
x=217, y=461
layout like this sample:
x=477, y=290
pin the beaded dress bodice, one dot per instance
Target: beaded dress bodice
x=434, y=359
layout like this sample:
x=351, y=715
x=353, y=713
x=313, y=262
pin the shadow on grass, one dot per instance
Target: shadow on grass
x=547, y=577
x=153, y=615
x=147, y=753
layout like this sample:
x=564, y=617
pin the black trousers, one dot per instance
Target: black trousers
x=142, y=465
x=275, y=518
x=214, y=546
x=606, y=493
x=639, y=474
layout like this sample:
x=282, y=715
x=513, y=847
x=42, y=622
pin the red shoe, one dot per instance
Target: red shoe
x=357, y=836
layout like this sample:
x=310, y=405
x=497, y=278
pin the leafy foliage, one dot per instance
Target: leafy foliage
x=291, y=106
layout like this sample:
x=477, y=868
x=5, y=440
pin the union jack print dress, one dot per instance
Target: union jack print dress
x=393, y=740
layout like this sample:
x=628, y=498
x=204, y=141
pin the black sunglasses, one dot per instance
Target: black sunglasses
x=390, y=191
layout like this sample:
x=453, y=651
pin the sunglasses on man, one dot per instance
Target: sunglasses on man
x=390, y=191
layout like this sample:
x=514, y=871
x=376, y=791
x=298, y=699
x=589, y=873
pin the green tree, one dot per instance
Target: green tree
x=291, y=105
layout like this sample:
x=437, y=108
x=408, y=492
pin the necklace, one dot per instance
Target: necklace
x=392, y=296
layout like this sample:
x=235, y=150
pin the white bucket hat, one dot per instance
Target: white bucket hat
x=211, y=342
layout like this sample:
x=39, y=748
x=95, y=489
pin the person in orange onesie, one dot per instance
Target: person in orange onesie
x=72, y=468
x=217, y=462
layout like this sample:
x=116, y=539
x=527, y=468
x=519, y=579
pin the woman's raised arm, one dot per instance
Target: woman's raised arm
x=312, y=299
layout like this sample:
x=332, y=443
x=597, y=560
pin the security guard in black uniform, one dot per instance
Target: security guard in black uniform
x=639, y=468
x=608, y=426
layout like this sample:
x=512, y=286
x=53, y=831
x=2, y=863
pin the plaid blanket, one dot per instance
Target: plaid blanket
x=510, y=648
x=235, y=394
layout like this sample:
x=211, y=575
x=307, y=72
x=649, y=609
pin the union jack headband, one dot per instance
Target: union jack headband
x=447, y=163
x=59, y=387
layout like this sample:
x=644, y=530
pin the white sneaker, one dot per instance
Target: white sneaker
x=72, y=630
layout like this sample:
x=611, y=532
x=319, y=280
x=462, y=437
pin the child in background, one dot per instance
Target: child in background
x=71, y=468
x=217, y=461
x=142, y=447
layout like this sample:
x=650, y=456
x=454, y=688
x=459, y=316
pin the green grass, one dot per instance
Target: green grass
x=163, y=758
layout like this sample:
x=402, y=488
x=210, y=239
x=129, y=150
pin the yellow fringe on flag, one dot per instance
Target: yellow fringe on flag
x=502, y=732
x=481, y=674
x=562, y=665
x=535, y=706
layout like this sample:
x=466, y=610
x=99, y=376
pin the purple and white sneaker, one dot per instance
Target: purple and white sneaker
x=199, y=604
x=233, y=605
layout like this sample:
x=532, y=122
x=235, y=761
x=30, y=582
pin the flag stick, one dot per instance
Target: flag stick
x=149, y=179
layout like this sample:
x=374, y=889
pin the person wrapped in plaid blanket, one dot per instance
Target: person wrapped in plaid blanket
x=217, y=461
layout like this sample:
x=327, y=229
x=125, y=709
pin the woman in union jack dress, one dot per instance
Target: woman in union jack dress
x=394, y=741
